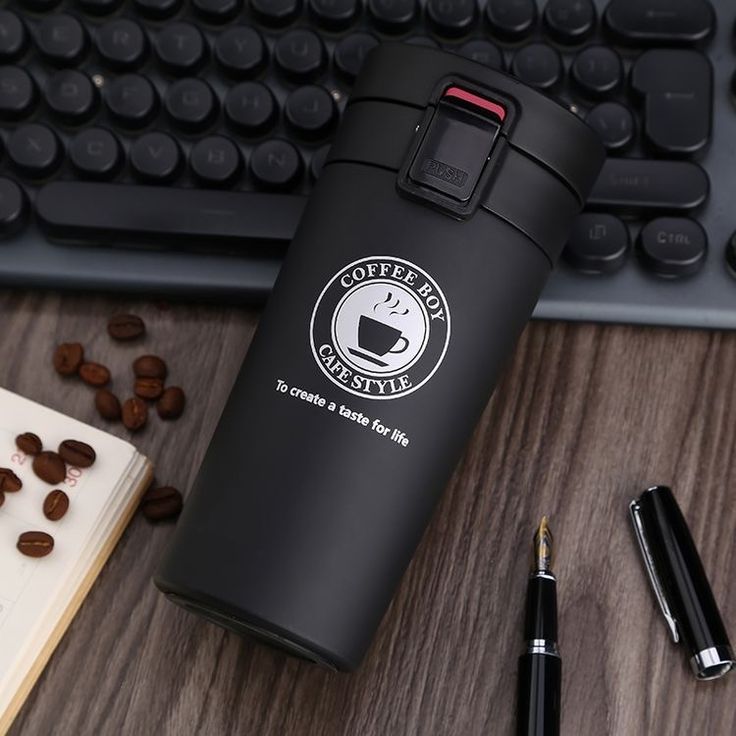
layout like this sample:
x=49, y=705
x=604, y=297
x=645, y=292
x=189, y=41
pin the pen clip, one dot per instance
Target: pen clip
x=641, y=538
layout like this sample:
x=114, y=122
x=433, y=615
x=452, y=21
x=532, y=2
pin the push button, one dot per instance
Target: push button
x=457, y=144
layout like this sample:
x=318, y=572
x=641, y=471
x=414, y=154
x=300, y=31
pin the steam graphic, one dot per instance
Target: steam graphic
x=385, y=304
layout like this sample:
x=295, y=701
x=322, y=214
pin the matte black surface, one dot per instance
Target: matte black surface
x=311, y=548
x=681, y=572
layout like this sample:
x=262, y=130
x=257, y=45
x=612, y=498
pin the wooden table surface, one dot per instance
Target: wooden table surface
x=585, y=417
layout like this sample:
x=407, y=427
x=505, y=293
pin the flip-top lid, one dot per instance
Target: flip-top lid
x=541, y=128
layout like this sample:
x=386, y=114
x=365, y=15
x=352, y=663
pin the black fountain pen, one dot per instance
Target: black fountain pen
x=540, y=667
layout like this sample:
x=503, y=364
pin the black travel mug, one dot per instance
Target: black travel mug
x=447, y=196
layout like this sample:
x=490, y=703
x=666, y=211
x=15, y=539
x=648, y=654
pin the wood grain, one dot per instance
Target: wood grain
x=584, y=418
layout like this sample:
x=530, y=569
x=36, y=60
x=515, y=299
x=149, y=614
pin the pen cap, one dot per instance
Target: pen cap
x=680, y=582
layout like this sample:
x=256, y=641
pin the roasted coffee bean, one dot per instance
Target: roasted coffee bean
x=171, y=404
x=148, y=388
x=2, y=499
x=29, y=443
x=160, y=503
x=35, y=544
x=150, y=366
x=68, y=357
x=49, y=467
x=55, y=505
x=135, y=414
x=125, y=327
x=107, y=404
x=9, y=481
x=94, y=374
x=79, y=454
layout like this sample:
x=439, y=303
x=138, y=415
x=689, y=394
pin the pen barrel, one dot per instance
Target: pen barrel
x=538, y=707
x=540, y=623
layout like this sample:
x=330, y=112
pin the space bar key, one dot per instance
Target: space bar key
x=109, y=213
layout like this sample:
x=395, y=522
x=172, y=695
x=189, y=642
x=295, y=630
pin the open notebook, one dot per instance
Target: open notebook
x=39, y=597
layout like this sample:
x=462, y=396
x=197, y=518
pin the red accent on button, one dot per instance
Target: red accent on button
x=482, y=102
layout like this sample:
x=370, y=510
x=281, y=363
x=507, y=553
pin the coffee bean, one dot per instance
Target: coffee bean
x=49, y=467
x=135, y=414
x=29, y=443
x=125, y=327
x=2, y=499
x=9, y=481
x=107, y=404
x=35, y=544
x=55, y=505
x=171, y=404
x=148, y=388
x=79, y=454
x=160, y=503
x=94, y=374
x=68, y=357
x=150, y=366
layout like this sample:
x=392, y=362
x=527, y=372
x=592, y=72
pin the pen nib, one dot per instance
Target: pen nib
x=543, y=547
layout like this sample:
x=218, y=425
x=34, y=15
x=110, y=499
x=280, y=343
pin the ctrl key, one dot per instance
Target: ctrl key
x=673, y=247
x=13, y=207
x=599, y=243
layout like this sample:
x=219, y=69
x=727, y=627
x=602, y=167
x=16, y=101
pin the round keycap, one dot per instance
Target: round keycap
x=334, y=14
x=597, y=71
x=319, y=158
x=13, y=36
x=181, y=48
x=673, y=246
x=310, y=111
x=99, y=7
x=96, y=153
x=240, y=51
x=156, y=157
x=13, y=208
x=157, y=9
x=276, y=13
x=276, y=164
x=34, y=150
x=393, y=16
x=216, y=161
x=132, y=100
x=300, y=55
x=250, y=108
x=569, y=21
x=350, y=54
x=452, y=17
x=731, y=255
x=217, y=11
x=537, y=64
x=61, y=39
x=511, y=20
x=484, y=52
x=191, y=104
x=122, y=44
x=71, y=96
x=17, y=93
x=599, y=243
x=614, y=123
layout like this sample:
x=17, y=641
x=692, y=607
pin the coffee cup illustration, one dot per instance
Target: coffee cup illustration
x=377, y=339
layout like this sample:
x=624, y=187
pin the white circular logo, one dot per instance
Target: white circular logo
x=380, y=328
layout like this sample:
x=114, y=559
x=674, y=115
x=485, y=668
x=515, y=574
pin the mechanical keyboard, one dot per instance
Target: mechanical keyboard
x=168, y=146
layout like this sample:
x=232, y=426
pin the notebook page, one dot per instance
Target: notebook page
x=31, y=589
